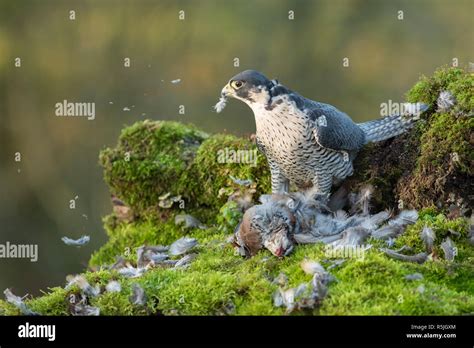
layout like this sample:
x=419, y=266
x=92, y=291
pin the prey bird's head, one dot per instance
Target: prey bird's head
x=265, y=226
x=249, y=86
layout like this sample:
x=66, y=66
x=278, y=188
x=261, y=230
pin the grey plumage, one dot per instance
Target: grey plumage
x=306, y=142
x=446, y=101
x=449, y=249
x=285, y=219
x=428, y=237
x=414, y=276
x=17, y=301
x=418, y=258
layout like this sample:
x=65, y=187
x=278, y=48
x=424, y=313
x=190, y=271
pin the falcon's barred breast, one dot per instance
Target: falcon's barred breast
x=306, y=142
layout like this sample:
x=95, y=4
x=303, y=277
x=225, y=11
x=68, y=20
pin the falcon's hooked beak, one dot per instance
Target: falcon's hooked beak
x=227, y=91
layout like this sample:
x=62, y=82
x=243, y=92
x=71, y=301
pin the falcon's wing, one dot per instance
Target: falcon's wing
x=332, y=128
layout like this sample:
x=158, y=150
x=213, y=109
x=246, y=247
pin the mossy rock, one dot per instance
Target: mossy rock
x=433, y=164
x=153, y=158
x=180, y=159
x=220, y=282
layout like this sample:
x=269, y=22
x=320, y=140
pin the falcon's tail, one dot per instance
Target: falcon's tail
x=391, y=126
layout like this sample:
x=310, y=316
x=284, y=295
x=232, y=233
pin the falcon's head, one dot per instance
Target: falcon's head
x=250, y=86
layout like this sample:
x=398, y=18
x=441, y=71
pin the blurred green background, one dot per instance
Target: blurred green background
x=82, y=60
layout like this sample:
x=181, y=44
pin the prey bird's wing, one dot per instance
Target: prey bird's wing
x=332, y=128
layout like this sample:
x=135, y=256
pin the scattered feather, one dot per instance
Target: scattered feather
x=446, y=101
x=175, y=81
x=126, y=109
x=138, y=296
x=311, y=267
x=361, y=201
x=352, y=236
x=120, y=262
x=81, y=309
x=76, y=242
x=150, y=255
x=17, y=301
x=449, y=249
x=113, y=286
x=388, y=232
x=166, y=201
x=132, y=272
x=281, y=279
x=185, y=261
x=241, y=182
x=182, y=245
x=187, y=221
x=83, y=284
x=390, y=241
x=414, y=276
x=418, y=258
x=336, y=263
x=428, y=237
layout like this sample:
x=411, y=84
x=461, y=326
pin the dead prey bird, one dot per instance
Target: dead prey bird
x=76, y=242
x=283, y=220
x=308, y=142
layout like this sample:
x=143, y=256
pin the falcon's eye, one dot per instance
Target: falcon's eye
x=236, y=84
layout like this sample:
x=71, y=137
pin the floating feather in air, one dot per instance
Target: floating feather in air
x=76, y=242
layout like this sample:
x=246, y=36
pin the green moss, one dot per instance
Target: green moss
x=125, y=238
x=433, y=163
x=219, y=282
x=171, y=157
x=455, y=80
x=147, y=161
x=222, y=156
x=55, y=302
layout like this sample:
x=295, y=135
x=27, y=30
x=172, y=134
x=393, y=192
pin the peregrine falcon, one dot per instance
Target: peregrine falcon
x=307, y=142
